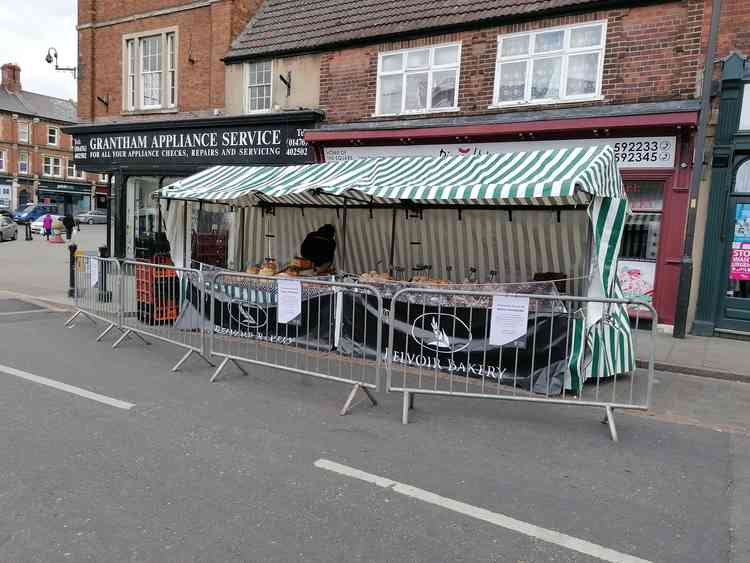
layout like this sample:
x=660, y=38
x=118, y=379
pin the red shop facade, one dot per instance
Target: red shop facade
x=655, y=152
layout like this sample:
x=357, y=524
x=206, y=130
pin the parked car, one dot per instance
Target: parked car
x=32, y=212
x=38, y=227
x=6, y=212
x=95, y=216
x=8, y=229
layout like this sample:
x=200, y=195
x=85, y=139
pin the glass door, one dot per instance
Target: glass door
x=734, y=312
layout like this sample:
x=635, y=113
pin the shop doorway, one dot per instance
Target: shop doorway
x=734, y=301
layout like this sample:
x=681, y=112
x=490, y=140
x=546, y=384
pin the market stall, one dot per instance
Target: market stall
x=537, y=222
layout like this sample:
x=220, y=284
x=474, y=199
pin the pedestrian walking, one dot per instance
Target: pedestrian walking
x=47, y=225
x=68, y=222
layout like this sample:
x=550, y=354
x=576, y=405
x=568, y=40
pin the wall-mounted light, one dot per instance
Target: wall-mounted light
x=52, y=55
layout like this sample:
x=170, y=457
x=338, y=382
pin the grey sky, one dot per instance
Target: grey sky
x=27, y=29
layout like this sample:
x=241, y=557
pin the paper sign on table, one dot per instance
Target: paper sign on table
x=510, y=318
x=290, y=300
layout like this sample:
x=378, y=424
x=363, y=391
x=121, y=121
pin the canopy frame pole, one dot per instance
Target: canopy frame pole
x=392, y=256
x=184, y=234
x=343, y=238
x=242, y=239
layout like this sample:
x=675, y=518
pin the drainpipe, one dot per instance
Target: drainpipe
x=686, y=264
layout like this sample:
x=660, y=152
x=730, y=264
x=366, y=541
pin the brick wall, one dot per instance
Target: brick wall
x=37, y=148
x=204, y=36
x=734, y=33
x=653, y=53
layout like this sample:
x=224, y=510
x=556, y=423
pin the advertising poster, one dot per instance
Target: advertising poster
x=637, y=279
x=739, y=266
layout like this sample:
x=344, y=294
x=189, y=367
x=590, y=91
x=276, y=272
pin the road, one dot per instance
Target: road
x=109, y=456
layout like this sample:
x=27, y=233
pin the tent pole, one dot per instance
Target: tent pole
x=343, y=239
x=393, y=242
x=184, y=234
x=242, y=238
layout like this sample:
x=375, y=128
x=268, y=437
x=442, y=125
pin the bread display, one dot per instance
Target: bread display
x=375, y=276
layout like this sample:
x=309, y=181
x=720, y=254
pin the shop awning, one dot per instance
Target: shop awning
x=545, y=177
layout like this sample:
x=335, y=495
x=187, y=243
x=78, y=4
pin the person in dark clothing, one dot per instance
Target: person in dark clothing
x=319, y=247
x=68, y=222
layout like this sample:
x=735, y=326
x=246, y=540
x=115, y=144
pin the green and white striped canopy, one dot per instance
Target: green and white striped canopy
x=548, y=177
x=602, y=342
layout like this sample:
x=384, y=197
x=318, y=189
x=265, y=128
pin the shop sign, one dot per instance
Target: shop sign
x=636, y=279
x=256, y=144
x=79, y=189
x=739, y=266
x=630, y=152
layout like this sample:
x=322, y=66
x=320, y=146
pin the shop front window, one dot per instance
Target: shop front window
x=739, y=256
x=640, y=241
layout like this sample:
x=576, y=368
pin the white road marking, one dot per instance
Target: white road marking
x=26, y=312
x=501, y=520
x=68, y=388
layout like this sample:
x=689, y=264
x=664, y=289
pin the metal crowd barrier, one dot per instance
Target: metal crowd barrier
x=153, y=299
x=439, y=341
x=96, y=291
x=336, y=336
x=442, y=347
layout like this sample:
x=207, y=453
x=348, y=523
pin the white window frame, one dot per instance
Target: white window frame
x=56, y=143
x=51, y=168
x=77, y=172
x=565, y=53
x=27, y=125
x=246, y=81
x=3, y=160
x=104, y=178
x=431, y=68
x=132, y=70
x=27, y=161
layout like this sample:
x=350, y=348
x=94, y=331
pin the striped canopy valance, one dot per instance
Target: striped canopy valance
x=548, y=177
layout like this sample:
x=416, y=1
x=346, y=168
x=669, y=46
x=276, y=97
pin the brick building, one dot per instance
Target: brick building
x=151, y=101
x=449, y=78
x=36, y=157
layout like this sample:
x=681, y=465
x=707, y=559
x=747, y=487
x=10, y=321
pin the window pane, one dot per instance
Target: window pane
x=545, y=81
x=514, y=46
x=582, y=73
x=742, y=179
x=512, y=83
x=590, y=36
x=390, y=94
x=416, y=91
x=548, y=41
x=391, y=63
x=418, y=59
x=444, y=89
x=446, y=55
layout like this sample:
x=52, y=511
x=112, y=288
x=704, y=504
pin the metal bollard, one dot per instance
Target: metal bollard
x=28, y=231
x=72, y=289
x=105, y=296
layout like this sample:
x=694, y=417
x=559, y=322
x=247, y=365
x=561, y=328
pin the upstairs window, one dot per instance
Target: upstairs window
x=52, y=166
x=418, y=80
x=259, y=86
x=23, y=162
x=53, y=136
x=550, y=65
x=73, y=170
x=23, y=132
x=3, y=160
x=150, y=71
